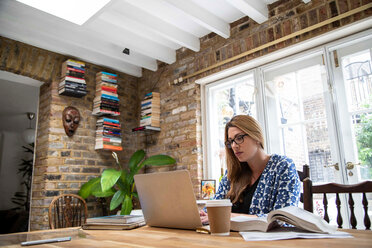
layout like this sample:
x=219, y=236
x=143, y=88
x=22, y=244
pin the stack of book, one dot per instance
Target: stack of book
x=108, y=134
x=114, y=222
x=150, y=110
x=106, y=100
x=72, y=79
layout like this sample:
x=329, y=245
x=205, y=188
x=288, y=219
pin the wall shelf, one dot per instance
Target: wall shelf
x=146, y=128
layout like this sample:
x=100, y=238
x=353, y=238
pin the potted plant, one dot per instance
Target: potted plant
x=120, y=183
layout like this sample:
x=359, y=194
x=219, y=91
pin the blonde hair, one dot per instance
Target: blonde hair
x=239, y=173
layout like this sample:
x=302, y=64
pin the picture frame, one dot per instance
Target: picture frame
x=208, y=189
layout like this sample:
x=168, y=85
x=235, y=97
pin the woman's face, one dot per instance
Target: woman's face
x=246, y=150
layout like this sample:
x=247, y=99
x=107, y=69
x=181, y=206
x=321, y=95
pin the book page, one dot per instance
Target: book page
x=302, y=219
x=290, y=233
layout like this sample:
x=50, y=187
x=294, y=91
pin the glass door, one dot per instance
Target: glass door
x=300, y=122
x=352, y=75
x=322, y=116
x=351, y=69
x=300, y=119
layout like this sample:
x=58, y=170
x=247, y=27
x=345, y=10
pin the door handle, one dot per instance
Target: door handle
x=350, y=165
x=333, y=165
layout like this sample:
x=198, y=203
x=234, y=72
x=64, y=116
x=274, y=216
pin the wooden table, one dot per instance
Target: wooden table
x=162, y=237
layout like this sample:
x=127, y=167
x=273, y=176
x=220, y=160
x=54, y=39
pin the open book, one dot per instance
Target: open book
x=292, y=215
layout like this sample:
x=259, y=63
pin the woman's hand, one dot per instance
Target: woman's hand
x=203, y=217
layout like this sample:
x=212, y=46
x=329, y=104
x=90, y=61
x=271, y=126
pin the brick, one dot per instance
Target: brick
x=65, y=154
x=333, y=9
x=51, y=193
x=343, y=6
x=51, y=169
x=91, y=170
x=303, y=21
x=52, y=177
x=74, y=177
x=313, y=17
x=74, y=161
x=178, y=110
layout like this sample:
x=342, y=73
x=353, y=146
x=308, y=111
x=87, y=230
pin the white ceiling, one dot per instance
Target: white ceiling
x=152, y=29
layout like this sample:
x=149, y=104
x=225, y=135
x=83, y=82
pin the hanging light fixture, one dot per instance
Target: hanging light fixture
x=29, y=133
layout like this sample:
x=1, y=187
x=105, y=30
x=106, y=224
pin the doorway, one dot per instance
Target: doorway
x=18, y=96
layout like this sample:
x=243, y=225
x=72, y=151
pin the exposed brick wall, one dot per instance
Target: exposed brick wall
x=64, y=163
x=180, y=105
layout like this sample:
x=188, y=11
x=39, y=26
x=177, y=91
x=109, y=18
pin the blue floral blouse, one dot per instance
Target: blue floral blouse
x=279, y=186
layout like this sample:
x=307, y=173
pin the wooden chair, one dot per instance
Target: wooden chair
x=334, y=188
x=305, y=173
x=67, y=210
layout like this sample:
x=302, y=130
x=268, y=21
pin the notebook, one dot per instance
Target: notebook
x=167, y=199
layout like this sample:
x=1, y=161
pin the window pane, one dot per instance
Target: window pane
x=296, y=107
x=357, y=76
x=225, y=100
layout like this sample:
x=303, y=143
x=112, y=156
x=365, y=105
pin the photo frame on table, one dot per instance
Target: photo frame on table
x=208, y=189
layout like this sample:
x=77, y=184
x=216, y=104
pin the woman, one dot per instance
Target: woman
x=255, y=182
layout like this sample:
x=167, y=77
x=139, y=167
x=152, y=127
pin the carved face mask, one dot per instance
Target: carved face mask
x=71, y=119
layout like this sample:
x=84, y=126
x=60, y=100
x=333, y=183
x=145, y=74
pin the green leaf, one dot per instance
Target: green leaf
x=101, y=193
x=136, y=158
x=157, y=160
x=109, y=178
x=88, y=187
x=121, y=182
x=135, y=194
x=127, y=206
x=117, y=199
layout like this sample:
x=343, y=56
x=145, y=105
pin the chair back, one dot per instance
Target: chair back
x=305, y=173
x=67, y=210
x=334, y=188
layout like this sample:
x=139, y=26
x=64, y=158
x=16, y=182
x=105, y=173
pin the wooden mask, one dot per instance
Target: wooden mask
x=70, y=119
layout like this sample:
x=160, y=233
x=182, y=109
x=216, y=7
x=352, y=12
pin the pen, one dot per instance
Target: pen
x=43, y=241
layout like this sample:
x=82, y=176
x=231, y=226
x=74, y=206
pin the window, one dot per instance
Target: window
x=315, y=107
x=298, y=122
x=226, y=98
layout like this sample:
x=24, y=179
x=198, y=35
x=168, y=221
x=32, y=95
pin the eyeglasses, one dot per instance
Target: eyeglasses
x=238, y=140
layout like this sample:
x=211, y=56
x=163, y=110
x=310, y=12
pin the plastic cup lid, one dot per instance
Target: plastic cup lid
x=219, y=203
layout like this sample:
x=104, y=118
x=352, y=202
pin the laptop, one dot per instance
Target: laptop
x=167, y=199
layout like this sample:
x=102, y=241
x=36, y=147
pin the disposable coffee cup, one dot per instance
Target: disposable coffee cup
x=219, y=213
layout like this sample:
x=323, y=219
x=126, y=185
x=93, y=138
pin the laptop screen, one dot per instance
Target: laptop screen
x=167, y=199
